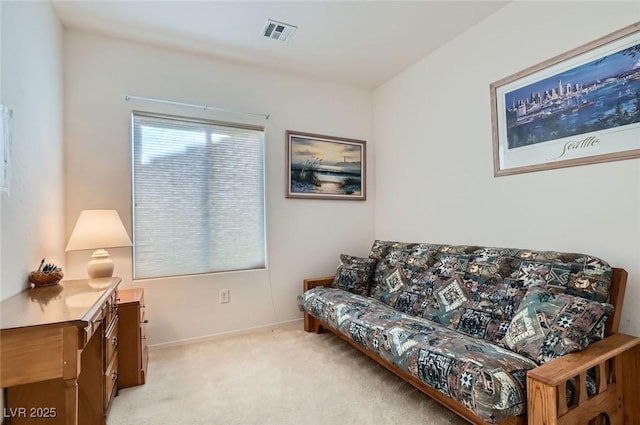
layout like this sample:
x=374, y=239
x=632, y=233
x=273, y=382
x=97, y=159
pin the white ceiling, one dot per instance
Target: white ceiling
x=362, y=43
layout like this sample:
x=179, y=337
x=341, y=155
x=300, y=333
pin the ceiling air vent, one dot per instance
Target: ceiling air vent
x=278, y=30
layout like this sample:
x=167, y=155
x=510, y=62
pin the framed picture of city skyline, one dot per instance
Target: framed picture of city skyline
x=577, y=108
x=325, y=167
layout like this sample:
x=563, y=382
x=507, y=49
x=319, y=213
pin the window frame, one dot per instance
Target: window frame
x=204, y=121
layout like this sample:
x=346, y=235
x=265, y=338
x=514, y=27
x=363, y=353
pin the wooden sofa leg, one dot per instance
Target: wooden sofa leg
x=542, y=401
x=311, y=324
x=630, y=362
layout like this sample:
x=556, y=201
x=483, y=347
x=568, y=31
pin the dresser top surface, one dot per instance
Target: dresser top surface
x=72, y=301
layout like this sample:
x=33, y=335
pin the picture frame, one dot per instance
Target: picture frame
x=580, y=107
x=325, y=167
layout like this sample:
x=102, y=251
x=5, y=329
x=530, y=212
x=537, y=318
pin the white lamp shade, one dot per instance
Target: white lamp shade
x=98, y=229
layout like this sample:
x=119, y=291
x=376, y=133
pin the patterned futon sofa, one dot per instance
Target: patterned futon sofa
x=468, y=324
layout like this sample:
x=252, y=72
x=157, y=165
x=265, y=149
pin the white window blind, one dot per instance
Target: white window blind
x=198, y=196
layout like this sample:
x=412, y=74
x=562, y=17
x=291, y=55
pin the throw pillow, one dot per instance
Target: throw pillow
x=354, y=274
x=548, y=325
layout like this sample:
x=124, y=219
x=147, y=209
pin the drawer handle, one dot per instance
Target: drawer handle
x=114, y=375
x=114, y=341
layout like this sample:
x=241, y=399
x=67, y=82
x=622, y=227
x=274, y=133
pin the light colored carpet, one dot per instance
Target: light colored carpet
x=277, y=377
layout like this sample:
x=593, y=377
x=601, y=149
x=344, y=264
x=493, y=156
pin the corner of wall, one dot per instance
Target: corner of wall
x=31, y=80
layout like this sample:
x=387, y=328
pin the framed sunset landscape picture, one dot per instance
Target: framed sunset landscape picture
x=325, y=167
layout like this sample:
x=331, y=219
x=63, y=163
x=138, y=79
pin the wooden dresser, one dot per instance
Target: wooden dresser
x=134, y=354
x=59, y=353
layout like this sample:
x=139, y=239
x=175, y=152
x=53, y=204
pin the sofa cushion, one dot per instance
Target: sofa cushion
x=478, y=304
x=354, y=274
x=490, y=282
x=548, y=325
x=486, y=378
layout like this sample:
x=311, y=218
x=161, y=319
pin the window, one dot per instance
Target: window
x=198, y=196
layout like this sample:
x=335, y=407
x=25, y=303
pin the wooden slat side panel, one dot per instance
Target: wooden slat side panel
x=561, y=398
x=616, y=398
x=602, y=378
x=570, y=365
x=30, y=355
x=592, y=408
x=581, y=388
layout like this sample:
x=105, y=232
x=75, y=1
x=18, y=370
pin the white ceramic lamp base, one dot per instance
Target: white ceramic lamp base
x=100, y=265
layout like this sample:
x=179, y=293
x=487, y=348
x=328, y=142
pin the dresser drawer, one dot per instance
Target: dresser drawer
x=111, y=309
x=111, y=381
x=111, y=341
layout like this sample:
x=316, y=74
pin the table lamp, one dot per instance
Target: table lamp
x=98, y=229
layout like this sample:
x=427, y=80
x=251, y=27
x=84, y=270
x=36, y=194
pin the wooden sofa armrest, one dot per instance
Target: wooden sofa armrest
x=317, y=281
x=311, y=324
x=616, y=360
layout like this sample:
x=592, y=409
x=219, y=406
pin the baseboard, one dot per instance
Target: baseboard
x=227, y=334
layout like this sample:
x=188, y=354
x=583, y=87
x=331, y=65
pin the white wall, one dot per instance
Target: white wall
x=31, y=218
x=32, y=215
x=434, y=166
x=305, y=237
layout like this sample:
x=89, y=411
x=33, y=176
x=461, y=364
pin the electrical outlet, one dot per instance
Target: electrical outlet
x=224, y=296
